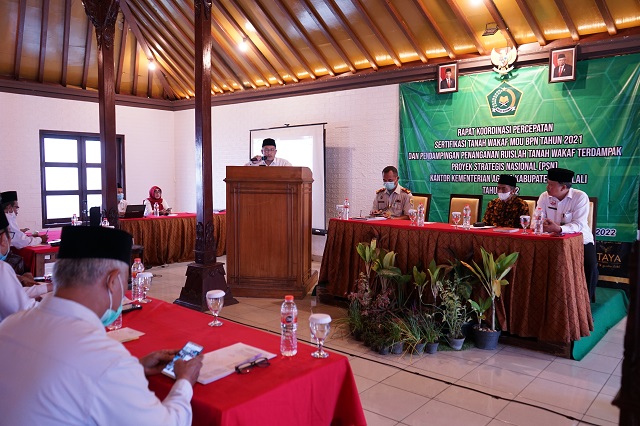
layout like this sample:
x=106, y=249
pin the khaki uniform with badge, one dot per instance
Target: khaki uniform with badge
x=397, y=203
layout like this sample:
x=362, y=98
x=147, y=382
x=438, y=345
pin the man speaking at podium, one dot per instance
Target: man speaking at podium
x=268, y=157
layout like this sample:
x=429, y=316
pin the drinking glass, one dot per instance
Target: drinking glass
x=413, y=215
x=215, y=300
x=339, y=211
x=144, y=281
x=524, y=222
x=319, y=325
x=456, y=217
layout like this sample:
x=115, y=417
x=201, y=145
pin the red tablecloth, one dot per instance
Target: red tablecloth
x=298, y=391
x=29, y=253
x=547, y=297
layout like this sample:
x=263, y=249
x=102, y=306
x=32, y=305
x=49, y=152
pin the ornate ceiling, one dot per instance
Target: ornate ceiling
x=267, y=48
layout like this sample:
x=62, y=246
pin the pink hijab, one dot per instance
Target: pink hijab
x=152, y=199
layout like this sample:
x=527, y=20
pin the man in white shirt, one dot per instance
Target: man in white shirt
x=11, y=207
x=122, y=203
x=268, y=157
x=13, y=296
x=58, y=364
x=567, y=210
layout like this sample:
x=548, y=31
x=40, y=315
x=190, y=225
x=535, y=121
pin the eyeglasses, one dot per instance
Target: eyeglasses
x=269, y=149
x=246, y=367
x=11, y=235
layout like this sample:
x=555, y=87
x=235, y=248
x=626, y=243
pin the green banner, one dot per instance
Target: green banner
x=458, y=143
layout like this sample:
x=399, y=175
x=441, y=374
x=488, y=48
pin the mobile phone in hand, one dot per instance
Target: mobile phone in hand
x=190, y=350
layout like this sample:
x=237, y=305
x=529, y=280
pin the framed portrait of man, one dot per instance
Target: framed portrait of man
x=448, y=78
x=562, y=65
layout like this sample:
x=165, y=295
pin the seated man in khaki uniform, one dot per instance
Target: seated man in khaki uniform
x=392, y=201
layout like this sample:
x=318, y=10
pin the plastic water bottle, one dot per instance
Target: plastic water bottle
x=345, y=209
x=466, y=217
x=289, y=325
x=420, y=218
x=74, y=220
x=137, y=293
x=156, y=209
x=538, y=221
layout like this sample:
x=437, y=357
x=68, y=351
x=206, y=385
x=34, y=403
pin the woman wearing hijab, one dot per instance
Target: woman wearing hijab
x=155, y=196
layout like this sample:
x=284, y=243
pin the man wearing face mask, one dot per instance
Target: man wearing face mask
x=13, y=296
x=122, y=203
x=392, y=201
x=59, y=355
x=508, y=207
x=11, y=207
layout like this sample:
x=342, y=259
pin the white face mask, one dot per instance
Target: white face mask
x=504, y=196
x=11, y=214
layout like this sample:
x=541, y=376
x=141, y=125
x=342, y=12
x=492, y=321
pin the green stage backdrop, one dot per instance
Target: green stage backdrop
x=458, y=143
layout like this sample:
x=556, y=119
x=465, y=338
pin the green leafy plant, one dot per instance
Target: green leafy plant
x=491, y=276
x=430, y=326
x=480, y=307
x=454, y=294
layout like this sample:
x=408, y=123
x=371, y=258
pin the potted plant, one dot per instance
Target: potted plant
x=398, y=330
x=414, y=337
x=454, y=294
x=491, y=276
x=431, y=331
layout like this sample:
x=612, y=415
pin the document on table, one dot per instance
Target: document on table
x=125, y=334
x=222, y=362
x=507, y=230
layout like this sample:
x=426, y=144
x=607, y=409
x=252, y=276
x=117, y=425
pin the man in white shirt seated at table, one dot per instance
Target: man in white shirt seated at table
x=13, y=296
x=122, y=203
x=20, y=239
x=567, y=210
x=58, y=364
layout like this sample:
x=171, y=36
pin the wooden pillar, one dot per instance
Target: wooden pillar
x=206, y=273
x=103, y=15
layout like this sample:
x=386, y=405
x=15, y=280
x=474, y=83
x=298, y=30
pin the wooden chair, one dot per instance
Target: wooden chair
x=531, y=201
x=458, y=201
x=593, y=215
x=425, y=199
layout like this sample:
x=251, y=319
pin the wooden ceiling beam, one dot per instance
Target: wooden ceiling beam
x=305, y=36
x=65, y=42
x=263, y=39
x=433, y=23
x=150, y=84
x=128, y=16
x=187, y=43
x=285, y=39
x=376, y=31
x=606, y=16
x=225, y=42
x=531, y=20
x=22, y=10
x=497, y=18
x=87, y=53
x=337, y=12
x=122, y=50
x=402, y=24
x=153, y=33
x=324, y=29
x=134, y=86
x=564, y=12
x=466, y=25
x=44, y=29
x=238, y=28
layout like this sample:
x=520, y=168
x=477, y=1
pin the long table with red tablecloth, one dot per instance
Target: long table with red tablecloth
x=171, y=239
x=300, y=390
x=547, y=297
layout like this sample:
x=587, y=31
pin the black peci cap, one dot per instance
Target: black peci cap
x=95, y=242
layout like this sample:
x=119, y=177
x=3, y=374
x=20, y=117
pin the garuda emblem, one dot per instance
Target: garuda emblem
x=503, y=60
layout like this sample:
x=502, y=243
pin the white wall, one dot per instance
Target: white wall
x=148, y=135
x=362, y=138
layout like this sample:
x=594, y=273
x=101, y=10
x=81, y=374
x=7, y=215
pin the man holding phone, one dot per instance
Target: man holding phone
x=60, y=367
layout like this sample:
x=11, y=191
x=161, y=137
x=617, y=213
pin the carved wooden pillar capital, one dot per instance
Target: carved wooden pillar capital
x=103, y=15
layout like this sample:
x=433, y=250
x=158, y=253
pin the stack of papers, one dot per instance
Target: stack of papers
x=222, y=362
x=509, y=230
x=125, y=334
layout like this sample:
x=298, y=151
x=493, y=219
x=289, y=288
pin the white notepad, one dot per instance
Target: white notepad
x=222, y=362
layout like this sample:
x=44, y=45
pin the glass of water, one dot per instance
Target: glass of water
x=319, y=325
x=456, y=218
x=525, y=220
x=215, y=301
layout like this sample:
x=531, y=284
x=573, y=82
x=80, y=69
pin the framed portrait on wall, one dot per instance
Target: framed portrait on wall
x=448, y=78
x=562, y=65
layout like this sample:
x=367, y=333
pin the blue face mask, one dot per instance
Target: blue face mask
x=3, y=257
x=110, y=315
x=389, y=185
x=120, y=197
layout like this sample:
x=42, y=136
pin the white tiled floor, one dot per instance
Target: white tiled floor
x=508, y=386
